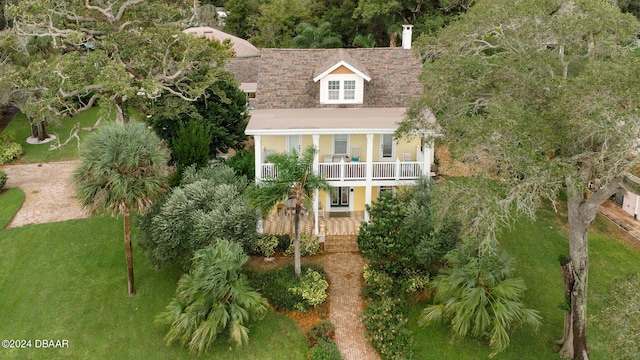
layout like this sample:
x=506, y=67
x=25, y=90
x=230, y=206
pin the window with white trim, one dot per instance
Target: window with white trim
x=340, y=144
x=349, y=89
x=342, y=89
x=334, y=90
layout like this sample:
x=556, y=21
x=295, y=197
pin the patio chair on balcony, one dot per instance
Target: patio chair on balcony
x=355, y=153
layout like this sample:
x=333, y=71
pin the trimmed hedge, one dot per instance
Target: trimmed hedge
x=3, y=179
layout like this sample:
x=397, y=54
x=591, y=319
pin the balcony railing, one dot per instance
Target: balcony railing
x=354, y=171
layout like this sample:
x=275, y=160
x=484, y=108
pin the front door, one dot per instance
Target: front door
x=340, y=197
x=294, y=142
x=386, y=147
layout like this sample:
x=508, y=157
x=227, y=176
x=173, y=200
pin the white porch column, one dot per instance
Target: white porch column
x=316, y=167
x=257, y=146
x=368, y=175
x=427, y=152
x=257, y=150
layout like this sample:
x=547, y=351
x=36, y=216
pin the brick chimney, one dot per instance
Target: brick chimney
x=406, y=36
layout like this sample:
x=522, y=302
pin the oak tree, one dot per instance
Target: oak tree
x=538, y=98
x=119, y=54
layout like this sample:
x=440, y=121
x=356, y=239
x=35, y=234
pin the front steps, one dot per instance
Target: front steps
x=340, y=243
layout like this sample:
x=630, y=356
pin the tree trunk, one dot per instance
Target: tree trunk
x=129, y=252
x=39, y=130
x=567, y=337
x=580, y=217
x=296, y=242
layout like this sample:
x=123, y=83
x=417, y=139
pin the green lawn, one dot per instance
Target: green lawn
x=536, y=247
x=10, y=202
x=67, y=281
x=41, y=153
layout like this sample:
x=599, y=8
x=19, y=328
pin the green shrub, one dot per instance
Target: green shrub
x=10, y=152
x=308, y=246
x=213, y=296
x=377, y=284
x=3, y=179
x=284, y=240
x=265, y=245
x=325, y=350
x=208, y=204
x=7, y=136
x=323, y=330
x=386, y=323
x=415, y=281
x=313, y=289
x=243, y=162
x=275, y=284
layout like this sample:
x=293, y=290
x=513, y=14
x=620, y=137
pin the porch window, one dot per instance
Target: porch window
x=340, y=144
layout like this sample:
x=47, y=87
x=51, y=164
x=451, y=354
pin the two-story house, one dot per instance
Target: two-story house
x=345, y=102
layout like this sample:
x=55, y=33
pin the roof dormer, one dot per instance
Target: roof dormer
x=342, y=81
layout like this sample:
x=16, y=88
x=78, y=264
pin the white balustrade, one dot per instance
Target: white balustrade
x=351, y=171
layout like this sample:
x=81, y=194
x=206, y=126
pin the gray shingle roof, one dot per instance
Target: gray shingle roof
x=336, y=57
x=244, y=69
x=285, y=78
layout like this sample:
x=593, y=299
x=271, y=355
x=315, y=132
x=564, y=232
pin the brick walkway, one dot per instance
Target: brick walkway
x=344, y=271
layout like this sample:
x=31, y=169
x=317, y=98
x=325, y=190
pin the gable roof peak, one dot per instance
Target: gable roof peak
x=337, y=59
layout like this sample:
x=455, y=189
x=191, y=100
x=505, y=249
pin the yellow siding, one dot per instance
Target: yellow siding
x=358, y=198
x=359, y=141
x=322, y=196
x=276, y=143
x=405, y=146
x=307, y=140
x=342, y=70
x=374, y=193
x=326, y=146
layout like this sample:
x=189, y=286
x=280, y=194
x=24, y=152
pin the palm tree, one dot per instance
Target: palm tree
x=478, y=297
x=214, y=295
x=311, y=37
x=123, y=169
x=294, y=180
x=364, y=41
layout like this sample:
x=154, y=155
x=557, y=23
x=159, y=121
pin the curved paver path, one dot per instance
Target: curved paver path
x=344, y=271
x=49, y=193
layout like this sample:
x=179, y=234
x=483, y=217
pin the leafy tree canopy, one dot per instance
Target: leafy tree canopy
x=123, y=53
x=222, y=109
x=274, y=23
x=403, y=233
x=537, y=98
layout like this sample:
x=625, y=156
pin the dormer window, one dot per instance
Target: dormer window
x=342, y=90
x=342, y=83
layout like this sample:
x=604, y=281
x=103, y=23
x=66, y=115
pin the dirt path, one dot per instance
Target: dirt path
x=49, y=194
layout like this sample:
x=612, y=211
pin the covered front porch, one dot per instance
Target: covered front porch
x=335, y=223
x=338, y=231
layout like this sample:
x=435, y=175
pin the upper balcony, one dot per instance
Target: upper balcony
x=357, y=171
x=339, y=169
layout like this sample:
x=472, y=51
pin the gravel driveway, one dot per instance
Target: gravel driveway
x=49, y=192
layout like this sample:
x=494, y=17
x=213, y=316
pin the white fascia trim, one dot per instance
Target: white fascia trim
x=345, y=64
x=328, y=132
x=319, y=131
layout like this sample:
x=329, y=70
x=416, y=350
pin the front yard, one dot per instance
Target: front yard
x=67, y=281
